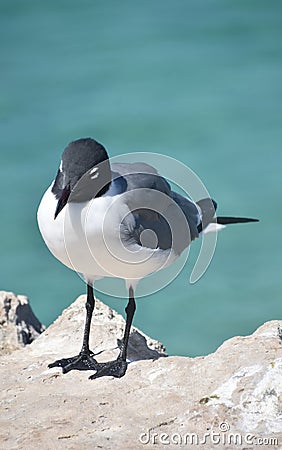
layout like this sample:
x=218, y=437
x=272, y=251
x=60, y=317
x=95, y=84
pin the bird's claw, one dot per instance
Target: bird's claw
x=115, y=369
x=83, y=361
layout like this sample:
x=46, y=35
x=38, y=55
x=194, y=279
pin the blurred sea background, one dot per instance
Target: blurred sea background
x=198, y=81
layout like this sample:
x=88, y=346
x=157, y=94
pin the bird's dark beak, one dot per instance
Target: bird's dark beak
x=62, y=200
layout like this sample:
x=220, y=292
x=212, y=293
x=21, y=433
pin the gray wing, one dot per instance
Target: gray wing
x=162, y=218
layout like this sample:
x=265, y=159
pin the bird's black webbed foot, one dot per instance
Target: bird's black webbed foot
x=83, y=361
x=116, y=368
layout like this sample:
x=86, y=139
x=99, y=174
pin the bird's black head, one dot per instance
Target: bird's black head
x=84, y=173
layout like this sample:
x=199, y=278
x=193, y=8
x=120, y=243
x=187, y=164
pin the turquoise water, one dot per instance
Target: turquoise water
x=199, y=81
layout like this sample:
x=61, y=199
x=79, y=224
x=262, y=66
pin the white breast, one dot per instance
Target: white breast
x=86, y=238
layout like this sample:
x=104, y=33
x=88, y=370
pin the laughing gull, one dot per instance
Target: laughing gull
x=116, y=220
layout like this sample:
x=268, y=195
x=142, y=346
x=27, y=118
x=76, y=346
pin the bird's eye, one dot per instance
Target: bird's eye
x=94, y=173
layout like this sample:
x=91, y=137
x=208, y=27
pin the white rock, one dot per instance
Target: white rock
x=165, y=402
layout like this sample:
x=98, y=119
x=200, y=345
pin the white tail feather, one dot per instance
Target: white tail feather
x=212, y=228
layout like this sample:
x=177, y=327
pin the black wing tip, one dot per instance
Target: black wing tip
x=229, y=220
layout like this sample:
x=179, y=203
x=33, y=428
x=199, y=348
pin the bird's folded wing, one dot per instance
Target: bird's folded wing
x=172, y=218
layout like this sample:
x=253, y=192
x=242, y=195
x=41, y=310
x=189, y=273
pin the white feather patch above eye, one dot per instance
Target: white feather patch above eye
x=94, y=173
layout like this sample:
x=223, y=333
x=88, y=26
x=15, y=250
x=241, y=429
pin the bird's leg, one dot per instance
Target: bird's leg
x=117, y=368
x=85, y=359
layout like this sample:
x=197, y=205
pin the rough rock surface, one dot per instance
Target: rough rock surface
x=18, y=324
x=229, y=399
